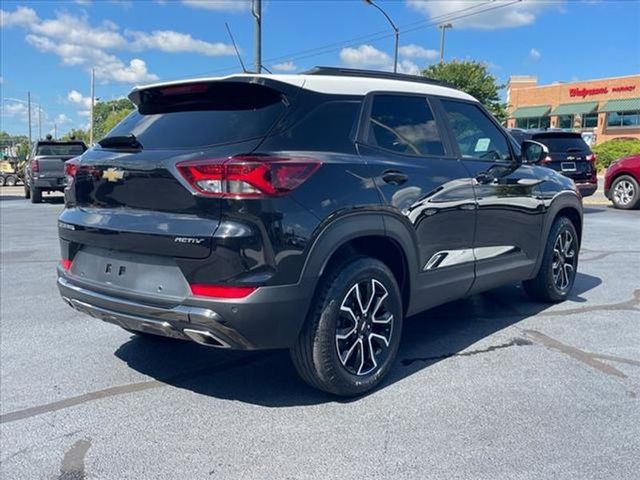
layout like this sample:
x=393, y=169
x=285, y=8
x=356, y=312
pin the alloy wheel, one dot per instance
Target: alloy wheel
x=364, y=327
x=564, y=260
x=624, y=192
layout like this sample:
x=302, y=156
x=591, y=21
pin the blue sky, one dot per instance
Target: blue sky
x=48, y=47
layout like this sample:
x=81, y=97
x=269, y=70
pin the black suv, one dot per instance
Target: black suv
x=312, y=212
x=44, y=169
x=568, y=154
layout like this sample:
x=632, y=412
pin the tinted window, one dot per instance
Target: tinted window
x=62, y=150
x=563, y=143
x=477, y=136
x=327, y=127
x=404, y=124
x=200, y=115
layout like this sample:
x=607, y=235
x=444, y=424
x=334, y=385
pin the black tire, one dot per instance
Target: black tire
x=315, y=354
x=625, y=193
x=559, y=267
x=27, y=192
x=11, y=181
x=2, y=180
x=36, y=195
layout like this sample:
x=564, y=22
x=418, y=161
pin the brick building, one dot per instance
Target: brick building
x=608, y=107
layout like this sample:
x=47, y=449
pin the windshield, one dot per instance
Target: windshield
x=61, y=149
x=564, y=144
x=199, y=115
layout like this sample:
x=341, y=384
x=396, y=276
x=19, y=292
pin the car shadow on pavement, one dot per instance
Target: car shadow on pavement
x=267, y=378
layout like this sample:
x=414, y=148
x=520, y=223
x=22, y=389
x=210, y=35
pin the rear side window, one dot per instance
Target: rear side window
x=477, y=136
x=199, y=115
x=563, y=143
x=404, y=124
x=64, y=150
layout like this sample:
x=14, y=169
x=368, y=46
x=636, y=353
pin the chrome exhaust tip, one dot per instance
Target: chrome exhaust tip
x=206, y=338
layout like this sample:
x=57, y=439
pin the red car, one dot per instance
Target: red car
x=622, y=182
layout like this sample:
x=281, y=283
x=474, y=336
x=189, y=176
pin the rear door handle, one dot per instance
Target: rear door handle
x=394, y=177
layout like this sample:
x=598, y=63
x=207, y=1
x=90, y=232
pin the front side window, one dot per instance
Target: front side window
x=623, y=119
x=404, y=124
x=477, y=136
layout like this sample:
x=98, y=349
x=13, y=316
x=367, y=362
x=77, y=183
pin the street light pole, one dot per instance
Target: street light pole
x=93, y=102
x=443, y=27
x=256, y=10
x=29, y=113
x=396, y=34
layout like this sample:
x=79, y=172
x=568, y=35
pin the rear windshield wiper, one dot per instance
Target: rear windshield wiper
x=127, y=141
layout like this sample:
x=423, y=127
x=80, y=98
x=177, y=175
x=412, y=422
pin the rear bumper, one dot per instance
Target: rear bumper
x=587, y=189
x=52, y=183
x=271, y=317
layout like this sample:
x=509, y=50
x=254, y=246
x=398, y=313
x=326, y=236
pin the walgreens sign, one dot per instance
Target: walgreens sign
x=587, y=92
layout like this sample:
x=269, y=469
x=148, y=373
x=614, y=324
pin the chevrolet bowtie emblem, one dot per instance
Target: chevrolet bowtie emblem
x=113, y=174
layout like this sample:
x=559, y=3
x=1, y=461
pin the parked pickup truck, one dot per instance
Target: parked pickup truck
x=44, y=170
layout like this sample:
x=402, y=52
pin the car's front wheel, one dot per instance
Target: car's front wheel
x=27, y=191
x=625, y=193
x=36, y=195
x=352, y=333
x=559, y=266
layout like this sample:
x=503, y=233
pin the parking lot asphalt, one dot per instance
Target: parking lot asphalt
x=489, y=387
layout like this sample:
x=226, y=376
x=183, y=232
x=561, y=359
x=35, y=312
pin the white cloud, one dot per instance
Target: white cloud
x=175, y=42
x=109, y=68
x=416, y=51
x=407, y=66
x=534, y=54
x=364, y=56
x=220, y=5
x=14, y=109
x=22, y=16
x=62, y=119
x=514, y=15
x=76, y=30
x=285, y=67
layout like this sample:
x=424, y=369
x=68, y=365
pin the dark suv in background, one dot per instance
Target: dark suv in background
x=312, y=212
x=44, y=169
x=569, y=154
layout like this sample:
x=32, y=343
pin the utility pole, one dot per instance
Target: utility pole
x=55, y=131
x=39, y=122
x=443, y=27
x=29, y=113
x=93, y=101
x=396, y=33
x=256, y=10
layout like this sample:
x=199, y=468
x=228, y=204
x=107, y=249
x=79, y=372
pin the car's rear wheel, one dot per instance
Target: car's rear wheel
x=2, y=180
x=27, y=191
x=557, y=273
x=625, y=193
x=352, y=333
x=36, y=195
x=11, y=181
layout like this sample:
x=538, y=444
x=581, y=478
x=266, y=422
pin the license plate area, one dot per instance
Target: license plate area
x=130, y=272
x=568, y=166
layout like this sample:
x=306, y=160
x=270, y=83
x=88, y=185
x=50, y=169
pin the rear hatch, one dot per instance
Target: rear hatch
x=127, y=194
x=568, y=154
x=52, y=155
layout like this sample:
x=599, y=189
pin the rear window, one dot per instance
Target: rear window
x=199, y=115
x=63, y=150
x=563, y=143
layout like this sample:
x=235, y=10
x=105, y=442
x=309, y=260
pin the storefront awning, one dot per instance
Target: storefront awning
x=575, y=108
x=623, y=105
x=531, y=112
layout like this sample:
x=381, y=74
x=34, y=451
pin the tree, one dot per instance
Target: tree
x=107, y=114
x=77, y=134
x=473, y=78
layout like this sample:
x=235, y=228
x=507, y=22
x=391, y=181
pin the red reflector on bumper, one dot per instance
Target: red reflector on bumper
x=219, y=291
x=66, y=264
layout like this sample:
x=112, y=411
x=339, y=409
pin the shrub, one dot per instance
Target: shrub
x=612, y=150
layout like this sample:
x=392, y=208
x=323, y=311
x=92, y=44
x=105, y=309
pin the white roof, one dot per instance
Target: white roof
x=337, y=84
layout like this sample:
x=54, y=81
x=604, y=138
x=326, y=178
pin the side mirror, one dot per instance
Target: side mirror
x=533, y=152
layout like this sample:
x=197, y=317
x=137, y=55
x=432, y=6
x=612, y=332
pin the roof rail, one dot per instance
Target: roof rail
x=354, y=72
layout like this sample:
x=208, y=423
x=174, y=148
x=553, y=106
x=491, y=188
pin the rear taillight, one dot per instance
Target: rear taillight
x=66, y=264
x=221, y=291
x=248, y=176
x=35, y=166
x=70, y=169
x=591, y=158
